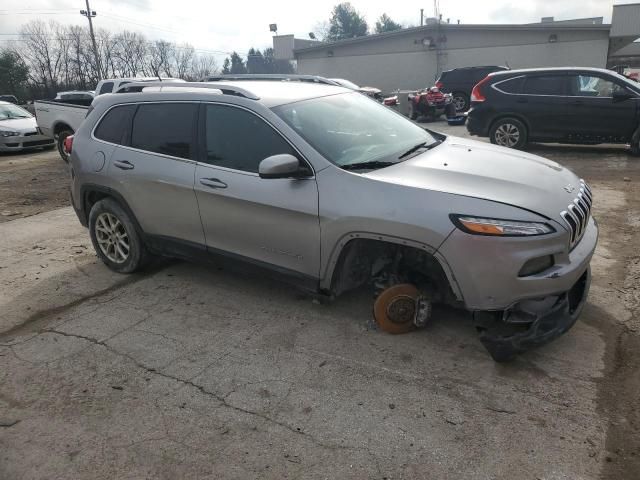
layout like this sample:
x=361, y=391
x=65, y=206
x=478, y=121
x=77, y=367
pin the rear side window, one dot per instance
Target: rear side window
x=106, y=88
x=240, y=140
x=513, y=85
x=545, y=85
x=114, y=124
x=166, y=128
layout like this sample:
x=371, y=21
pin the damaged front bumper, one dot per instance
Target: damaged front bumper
x=531, y=323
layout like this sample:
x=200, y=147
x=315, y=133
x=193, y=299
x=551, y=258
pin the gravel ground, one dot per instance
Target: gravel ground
x=192, y=372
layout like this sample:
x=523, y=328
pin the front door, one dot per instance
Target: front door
x=595, y=115
x=154, y=167
x=269, y=221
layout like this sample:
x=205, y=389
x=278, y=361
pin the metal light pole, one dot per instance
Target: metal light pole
x=90, y=14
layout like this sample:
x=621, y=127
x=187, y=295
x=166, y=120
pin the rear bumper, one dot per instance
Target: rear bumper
x=478, y=122
x=531, y=324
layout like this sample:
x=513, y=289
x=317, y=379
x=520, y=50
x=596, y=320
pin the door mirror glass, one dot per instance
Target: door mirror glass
x=283, y=165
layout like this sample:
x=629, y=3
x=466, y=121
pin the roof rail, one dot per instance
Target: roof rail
x=225, y=89
x=274, y=77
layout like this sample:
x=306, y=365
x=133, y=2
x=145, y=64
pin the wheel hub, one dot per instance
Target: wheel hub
x=401, y=309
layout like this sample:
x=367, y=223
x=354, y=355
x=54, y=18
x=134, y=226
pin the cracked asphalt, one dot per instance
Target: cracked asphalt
x=187, y=371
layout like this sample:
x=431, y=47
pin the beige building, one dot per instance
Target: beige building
x=413, y=57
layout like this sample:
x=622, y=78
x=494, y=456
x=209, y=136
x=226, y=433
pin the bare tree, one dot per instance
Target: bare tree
x=61, y=57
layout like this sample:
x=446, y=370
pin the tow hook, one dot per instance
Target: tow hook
x=401, y=309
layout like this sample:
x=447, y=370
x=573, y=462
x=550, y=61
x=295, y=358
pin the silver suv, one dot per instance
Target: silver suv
x=335, y=191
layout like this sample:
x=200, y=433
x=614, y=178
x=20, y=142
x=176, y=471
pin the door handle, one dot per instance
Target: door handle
x=522, y=100
x=123, y=165
x=213, y=183
x=577, y=102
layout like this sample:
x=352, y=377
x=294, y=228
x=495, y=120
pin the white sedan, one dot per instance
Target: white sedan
x=19, y=130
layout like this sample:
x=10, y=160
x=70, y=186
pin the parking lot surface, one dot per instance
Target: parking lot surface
x=189, y=371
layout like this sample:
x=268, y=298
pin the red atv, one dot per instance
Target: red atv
x=431, y=103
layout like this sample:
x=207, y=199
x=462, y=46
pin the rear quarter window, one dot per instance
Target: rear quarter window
x=115, y=124
x=513, y=85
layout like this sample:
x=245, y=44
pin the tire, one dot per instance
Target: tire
x=110, y=226
x=413, y=114
x=508, y=132
x=60, y=142
x=635, y=143
x=461, y=101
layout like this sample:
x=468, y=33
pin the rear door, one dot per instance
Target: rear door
x=270, y=221
x=544, y=104
x=154, y=170
x=594, y=115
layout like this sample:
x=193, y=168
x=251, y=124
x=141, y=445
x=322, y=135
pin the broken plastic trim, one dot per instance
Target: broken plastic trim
x=531, y=323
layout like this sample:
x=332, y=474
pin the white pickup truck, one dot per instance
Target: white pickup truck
x=59, y=120
x=61, y=117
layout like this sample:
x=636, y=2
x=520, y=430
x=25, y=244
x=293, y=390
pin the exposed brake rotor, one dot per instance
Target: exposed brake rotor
x=396, y=307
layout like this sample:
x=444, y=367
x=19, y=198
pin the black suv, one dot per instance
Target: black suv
x=563, y=105
x=460, y=81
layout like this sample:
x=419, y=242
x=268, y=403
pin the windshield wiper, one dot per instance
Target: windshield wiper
x=420, y=146
x=367, y=165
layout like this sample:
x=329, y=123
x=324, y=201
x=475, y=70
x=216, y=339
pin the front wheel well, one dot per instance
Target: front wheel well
x=381, y=263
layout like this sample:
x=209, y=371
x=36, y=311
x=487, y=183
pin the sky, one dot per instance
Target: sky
x=215, y=27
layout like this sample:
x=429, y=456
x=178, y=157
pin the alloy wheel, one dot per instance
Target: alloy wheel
x=507, y=135
x=112, y=238
x=460, y=103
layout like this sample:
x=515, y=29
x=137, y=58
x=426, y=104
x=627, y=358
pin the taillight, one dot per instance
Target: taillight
x=68, y=144
x=476, y=93
x=439, y=84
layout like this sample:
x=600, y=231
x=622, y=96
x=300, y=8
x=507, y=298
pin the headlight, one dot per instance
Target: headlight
x=499, y=227
x=8, y=133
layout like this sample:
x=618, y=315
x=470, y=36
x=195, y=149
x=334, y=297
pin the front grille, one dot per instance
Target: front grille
x=30, y=133
x=577, y=214
x=37, y=143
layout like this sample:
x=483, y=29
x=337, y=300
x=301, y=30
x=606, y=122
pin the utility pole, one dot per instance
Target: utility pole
x=421, y=16
x=90, y=14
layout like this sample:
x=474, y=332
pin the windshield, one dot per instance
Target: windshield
x=349, y=129
x=346, y=83
x=9, y=111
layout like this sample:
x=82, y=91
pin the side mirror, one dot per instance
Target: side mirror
x=283, y=165
x=621, y=96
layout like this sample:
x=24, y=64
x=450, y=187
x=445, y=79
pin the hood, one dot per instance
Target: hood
x=22, y=125
x=481, y=170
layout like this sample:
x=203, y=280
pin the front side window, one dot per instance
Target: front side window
x=592, y=86
x=106, y=88
x=349, y=129
x=114, y=124
x=545, y=85
x=166, y=128
x=240, y=140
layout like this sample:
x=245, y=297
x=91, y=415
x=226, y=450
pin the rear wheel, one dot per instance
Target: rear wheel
x=508, y=132
x=461, y=101
x=115, y=238
x=413, y=113
x=60, y=142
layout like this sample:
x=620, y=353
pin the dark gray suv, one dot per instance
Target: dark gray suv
x=326, y=187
